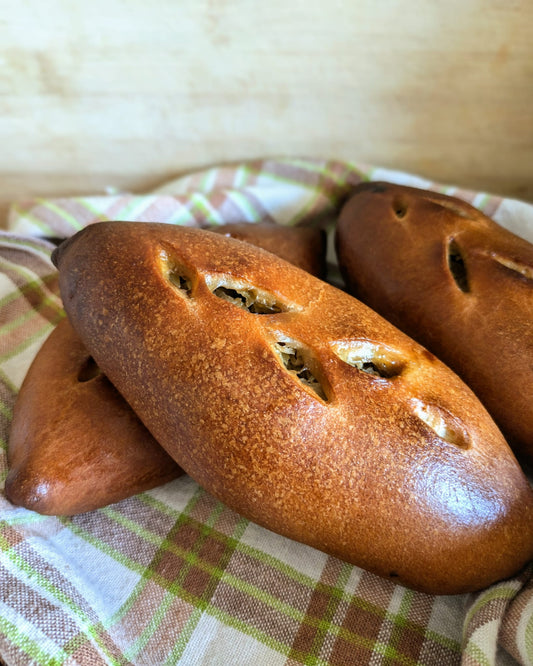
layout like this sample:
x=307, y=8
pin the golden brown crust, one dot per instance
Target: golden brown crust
x=106, y=460
x=397, y=469
x=454, y=280
x=304, y=247
x=75, y=445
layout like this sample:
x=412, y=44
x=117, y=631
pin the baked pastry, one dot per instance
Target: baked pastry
x=48, y=473
x=298, y=406
x=455, y=281
x=75, y=445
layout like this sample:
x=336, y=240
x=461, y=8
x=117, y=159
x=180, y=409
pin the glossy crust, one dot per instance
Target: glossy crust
x=75, y=445
x=454, y=280
x=397, y=468
x=304, y=247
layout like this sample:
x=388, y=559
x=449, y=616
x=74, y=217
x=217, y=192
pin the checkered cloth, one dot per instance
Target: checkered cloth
x=171, y=575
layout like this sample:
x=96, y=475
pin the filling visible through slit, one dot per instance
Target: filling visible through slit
x=370, y=358
x=247, y=296
x=443, y=424
x=248, y=299
x=457, y=266
x=294, y=360
x=176, y=274
x=179, y=280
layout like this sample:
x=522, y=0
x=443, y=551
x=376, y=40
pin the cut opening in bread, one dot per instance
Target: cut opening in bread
x=457, y=266
x=444, y=425
x=399, y=206
x=454, y=207
x=295, y=359
x=370, y=358
x=523, y=270
x=177, y=275
x=180, y=281
x=247, y=297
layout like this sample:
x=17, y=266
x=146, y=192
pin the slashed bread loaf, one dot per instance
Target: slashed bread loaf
x=298, y=406
x=75, y=445
x=454, y=280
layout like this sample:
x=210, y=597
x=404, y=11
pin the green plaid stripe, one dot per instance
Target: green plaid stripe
x=172, y=575
x=216, y=573
x=44, y=587
x=489, y=609
x=211, y=197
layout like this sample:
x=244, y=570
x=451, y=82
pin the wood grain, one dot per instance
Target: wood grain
x=130, y=93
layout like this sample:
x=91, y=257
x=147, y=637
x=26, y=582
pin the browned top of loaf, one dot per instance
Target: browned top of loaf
x=456, y=281
x=399, y=470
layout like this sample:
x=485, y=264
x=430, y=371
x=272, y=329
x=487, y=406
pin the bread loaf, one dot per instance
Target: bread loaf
x=454, y=280
x=298, y=406
x=75, y=445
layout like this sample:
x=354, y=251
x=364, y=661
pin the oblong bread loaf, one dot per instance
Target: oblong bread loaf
x=74, y=446
x=457, y=282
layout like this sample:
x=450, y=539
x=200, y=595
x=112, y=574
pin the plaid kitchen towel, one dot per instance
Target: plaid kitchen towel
x=171, y=576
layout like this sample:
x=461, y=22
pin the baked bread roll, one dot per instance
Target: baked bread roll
x=454, y=280
x=298, y=406
x=58, y=470
x=75, y=445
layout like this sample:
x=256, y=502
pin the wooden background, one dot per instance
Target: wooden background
x=130, y=92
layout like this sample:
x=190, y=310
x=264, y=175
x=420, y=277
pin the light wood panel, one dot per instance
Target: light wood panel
x=129, y=93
